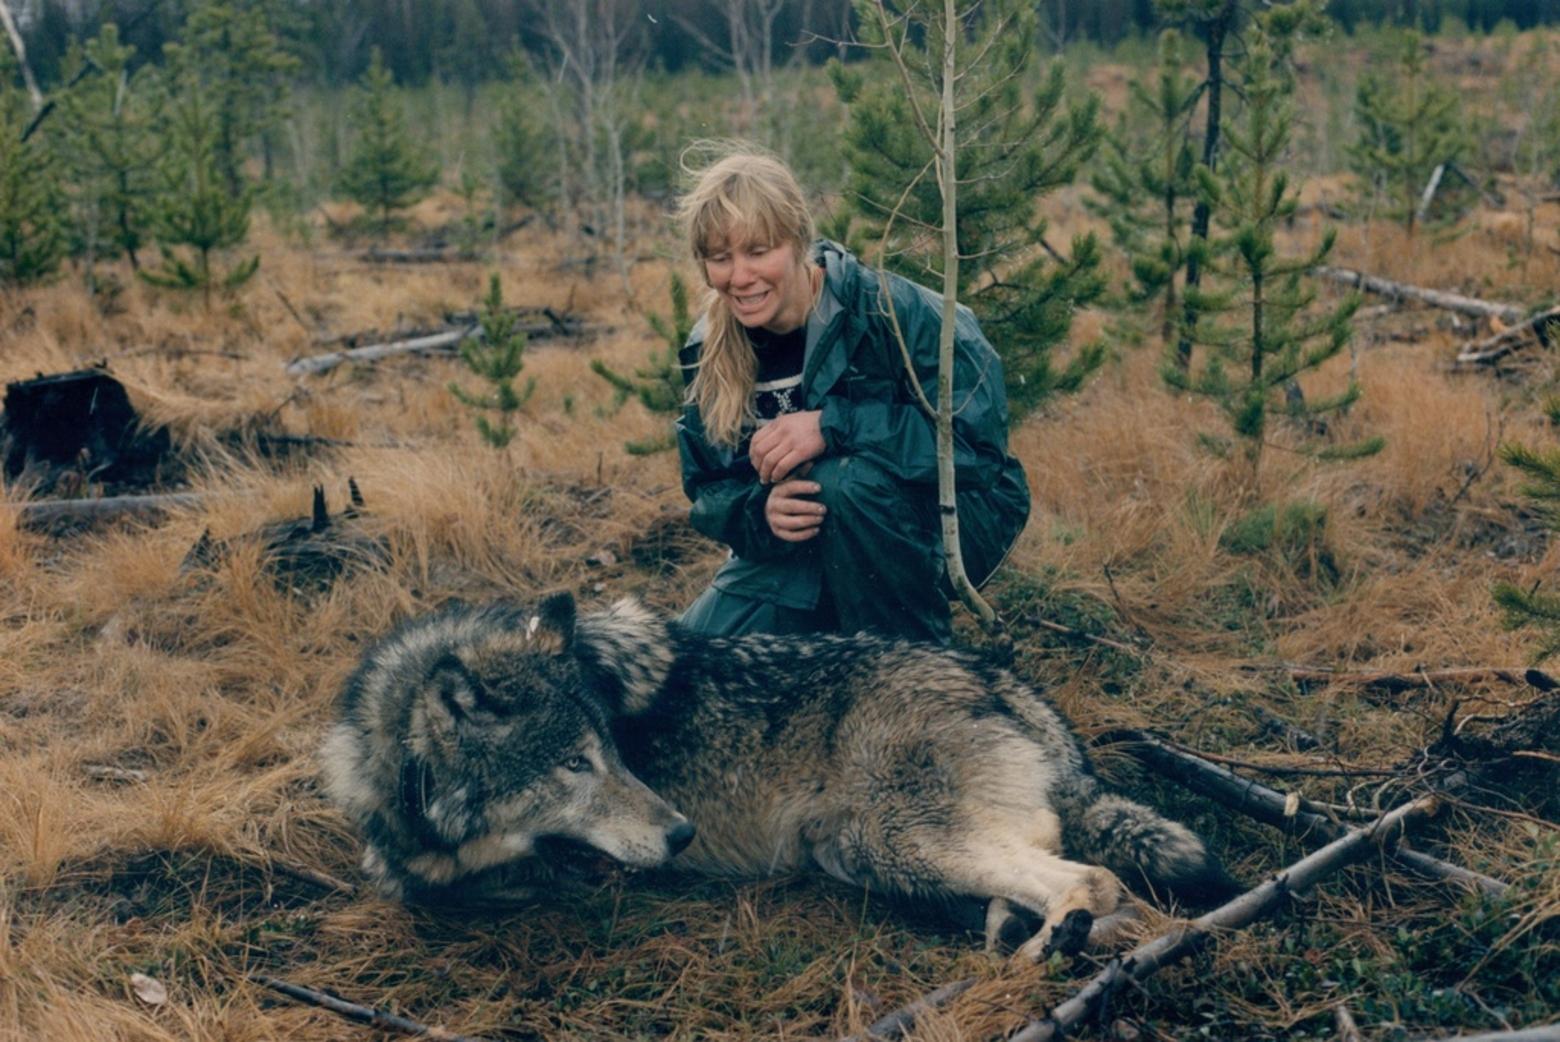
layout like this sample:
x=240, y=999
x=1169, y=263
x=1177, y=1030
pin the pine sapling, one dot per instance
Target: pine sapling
x=110, y=121
x=195, y=218
x=1145, y=181
x=1016, y=144
x=384, y=172
x=32, y=235
x=520, y=150
x=1256, y=316
x=496, y=357
x=232, y=48
x=658, y=384
x=1532, y=606
x=1410, y=128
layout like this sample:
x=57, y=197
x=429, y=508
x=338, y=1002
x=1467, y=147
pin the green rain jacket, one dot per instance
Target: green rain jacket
x=853, y=371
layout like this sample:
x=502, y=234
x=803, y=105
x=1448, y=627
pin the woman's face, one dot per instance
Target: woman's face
x=765, y=286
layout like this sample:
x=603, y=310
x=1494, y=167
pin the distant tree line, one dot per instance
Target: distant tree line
x=468, y=41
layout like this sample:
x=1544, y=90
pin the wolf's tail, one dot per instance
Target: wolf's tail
x=1145, y=848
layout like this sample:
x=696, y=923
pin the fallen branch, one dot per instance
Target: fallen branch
x=1348, y=1030
x=1342, y=770
x=361, y=1014
x=894, y=1024
x=1510, y=339
x=1068, y=631
x=47, y=512
x=374, y=352
x=1393, y=681
x=1274, y=808
x=314, y=877
x=1546, y=1033
x=108, y=772
x=1435, y=298
x=1146, y=959
x=434, y=255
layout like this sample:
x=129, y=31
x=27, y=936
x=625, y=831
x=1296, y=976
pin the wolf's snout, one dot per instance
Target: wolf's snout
x=679, y=836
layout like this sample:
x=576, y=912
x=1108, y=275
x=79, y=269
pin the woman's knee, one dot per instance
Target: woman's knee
x=853, y=486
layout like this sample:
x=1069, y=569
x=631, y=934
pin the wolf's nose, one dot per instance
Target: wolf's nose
x=679, y=837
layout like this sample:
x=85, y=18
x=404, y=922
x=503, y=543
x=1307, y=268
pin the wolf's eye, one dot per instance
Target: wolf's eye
x=577, y=764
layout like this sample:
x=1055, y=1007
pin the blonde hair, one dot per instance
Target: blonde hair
x=745, y=196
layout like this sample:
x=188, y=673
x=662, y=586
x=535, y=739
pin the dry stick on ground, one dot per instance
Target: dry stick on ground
x=1274, y=808
x=305, y=874
x=441, y=342
x=1348, y=1030
x=1068, y=631
x=1146, y=959
x=1435, y=298
x=49, y=511
x=374, y=352
x=430, y=255
x=1508, y=340
x=1546, y=1033
x=893, y=1025
x=361, y=1014
x=1428, y=678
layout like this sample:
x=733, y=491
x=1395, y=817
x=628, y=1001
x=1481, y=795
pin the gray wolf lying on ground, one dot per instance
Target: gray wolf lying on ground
x=481, y=748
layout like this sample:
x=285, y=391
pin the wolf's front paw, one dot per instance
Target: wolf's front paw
x=1066, y=937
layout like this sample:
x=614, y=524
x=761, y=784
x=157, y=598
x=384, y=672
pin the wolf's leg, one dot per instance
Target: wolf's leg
x=1069, y=895
x=994, y=859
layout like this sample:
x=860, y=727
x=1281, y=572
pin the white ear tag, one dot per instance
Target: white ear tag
x=532, y=626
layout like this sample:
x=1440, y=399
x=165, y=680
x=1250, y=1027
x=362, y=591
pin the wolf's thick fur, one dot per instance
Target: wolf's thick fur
x=477, y=737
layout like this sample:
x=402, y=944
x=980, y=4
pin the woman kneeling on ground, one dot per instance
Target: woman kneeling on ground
x=803, y=446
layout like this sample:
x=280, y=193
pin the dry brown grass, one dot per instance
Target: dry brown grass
x=157, y=725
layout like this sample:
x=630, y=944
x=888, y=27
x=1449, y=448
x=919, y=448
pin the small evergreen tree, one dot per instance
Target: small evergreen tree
x=32, y=235
x=194, y=211
x=1148, y=188
x=384, y=172
x=1014, y=147
x=1531, y=607
x=1259, y=324
x=1408, y=126
x=658, y=384
x=109, y=120
x=231, y=49
x=496, y=357
x=519, y=151
x=1220, y=25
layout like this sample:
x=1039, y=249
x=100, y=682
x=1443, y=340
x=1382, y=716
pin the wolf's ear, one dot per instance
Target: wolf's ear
x=556, y=615
x=457, y=691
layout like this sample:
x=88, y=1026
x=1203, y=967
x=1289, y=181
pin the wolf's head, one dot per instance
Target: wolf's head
x=475, y=737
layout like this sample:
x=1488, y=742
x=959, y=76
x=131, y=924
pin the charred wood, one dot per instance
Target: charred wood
x=308, y=553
